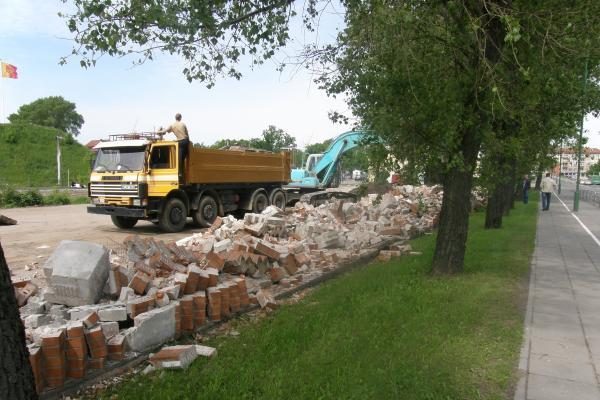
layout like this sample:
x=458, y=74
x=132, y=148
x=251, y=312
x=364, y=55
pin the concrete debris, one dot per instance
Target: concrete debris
x=4, y=220
x=77, y=272
x=157, y=291
x=174, y=357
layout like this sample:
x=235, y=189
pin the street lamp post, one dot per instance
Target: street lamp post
x=560, y=166
x=579, y=144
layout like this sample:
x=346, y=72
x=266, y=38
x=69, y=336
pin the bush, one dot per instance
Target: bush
x=31, y=198
x=57, y=198
x=12, y=198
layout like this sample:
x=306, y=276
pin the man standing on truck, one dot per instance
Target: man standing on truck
x=180, y=131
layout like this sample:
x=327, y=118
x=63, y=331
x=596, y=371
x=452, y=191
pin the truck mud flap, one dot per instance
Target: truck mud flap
x=318, y=198
x=118, y=211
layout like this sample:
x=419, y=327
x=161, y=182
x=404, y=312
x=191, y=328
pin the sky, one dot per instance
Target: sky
x=117, y=97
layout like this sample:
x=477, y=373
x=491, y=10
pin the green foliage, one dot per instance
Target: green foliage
x=384, y=331
x=212, y=36
x=31, y=160
x=53, y=112
x=272, y=139
x=9, y=197
x=594, y=169
x=57, y=198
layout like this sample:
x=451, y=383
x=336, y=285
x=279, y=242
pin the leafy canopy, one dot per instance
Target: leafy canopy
x=272, y=139
x=53, y=112
x=212, y=36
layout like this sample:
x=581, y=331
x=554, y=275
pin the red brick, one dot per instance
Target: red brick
x=91, y=320
x=76, y=348
x=213, y=277
x=96, y=343
x=215, y=261
x=276, y=274
x=140, y=282
x=290, y=264
x=35, y=359
x=267, y=250
x=96, y=363
x=55, y=338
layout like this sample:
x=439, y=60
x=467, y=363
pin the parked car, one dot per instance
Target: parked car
x=585, y=180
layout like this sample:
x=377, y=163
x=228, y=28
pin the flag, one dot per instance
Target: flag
x=9, y=71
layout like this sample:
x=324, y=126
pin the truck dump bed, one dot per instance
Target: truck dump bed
x=237, y=166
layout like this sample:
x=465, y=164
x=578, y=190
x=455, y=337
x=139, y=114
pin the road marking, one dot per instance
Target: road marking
x=585, y=228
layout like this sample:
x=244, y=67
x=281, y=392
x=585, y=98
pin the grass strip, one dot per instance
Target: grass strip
x=386, y=331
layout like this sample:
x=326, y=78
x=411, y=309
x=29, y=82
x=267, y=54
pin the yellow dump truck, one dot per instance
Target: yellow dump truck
x=136, y=177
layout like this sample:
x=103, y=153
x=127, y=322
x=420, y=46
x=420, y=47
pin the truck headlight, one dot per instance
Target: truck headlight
x=137, y=202
x=97, y=200
x=128, y=187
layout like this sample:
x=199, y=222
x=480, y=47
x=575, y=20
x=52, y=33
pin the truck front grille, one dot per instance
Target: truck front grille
x=112, y=189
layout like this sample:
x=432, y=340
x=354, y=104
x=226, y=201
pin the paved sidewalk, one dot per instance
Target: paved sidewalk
x=560, y=357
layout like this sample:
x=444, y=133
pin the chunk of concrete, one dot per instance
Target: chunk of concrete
x=151, y=328
x=79, y=272
x=115, y=314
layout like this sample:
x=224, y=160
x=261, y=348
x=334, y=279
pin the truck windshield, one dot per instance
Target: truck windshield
x=120, y=159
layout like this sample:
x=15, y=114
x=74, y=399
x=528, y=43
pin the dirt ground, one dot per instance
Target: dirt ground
x=40, y=229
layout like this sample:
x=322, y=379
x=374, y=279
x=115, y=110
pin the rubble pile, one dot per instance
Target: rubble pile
x=156, y=291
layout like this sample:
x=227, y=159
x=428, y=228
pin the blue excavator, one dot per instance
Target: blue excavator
x=321, y=171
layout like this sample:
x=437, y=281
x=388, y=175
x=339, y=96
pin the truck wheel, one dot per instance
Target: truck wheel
x=259, y=203
x=278, y=199
x=123, y=222
x=174, y=216
x=206, y=213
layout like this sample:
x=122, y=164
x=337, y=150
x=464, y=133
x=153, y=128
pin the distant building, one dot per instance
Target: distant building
x=92, y=143
x=589, y=157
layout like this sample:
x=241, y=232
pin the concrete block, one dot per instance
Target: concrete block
x=110, y=314
x=79, y=272
x=174, y=357
x=126, y=294
x=205, y=351
x=223, y=245
x=36, y=320
x=109, y=329
x=151, y=329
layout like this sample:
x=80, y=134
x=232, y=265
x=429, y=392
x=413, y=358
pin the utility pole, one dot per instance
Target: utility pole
x=58, y=138
x=576, y=197
x=560, y=165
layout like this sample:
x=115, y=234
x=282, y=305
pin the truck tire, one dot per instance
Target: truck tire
x=173, y=217
x=207, y=212
x=259, y=203
x=278, y=199
x=123, y=222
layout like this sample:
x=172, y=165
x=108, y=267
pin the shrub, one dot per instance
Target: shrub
x=57, y=198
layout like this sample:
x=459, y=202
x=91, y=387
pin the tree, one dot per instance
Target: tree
x=53, y=111
x=429, y=77
x=594, y=169
x=16, y=376
x=273, y=139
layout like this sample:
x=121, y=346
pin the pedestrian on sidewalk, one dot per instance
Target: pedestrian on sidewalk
x=548, y=186
x=525, y=186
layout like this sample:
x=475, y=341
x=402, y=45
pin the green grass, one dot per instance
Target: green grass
x=386, y=331
x=28, y=156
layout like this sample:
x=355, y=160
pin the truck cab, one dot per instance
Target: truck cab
x=137, y=177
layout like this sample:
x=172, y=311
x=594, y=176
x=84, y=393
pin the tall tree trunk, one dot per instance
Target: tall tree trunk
x=451, y=241
x=508, y=197
x=495, y=208
x=16, y=376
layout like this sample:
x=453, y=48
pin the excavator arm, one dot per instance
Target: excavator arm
x=326, y=167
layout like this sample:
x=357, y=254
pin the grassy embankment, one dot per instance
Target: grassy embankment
x=389, y=330
x=28, y=160
x=28, y=157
